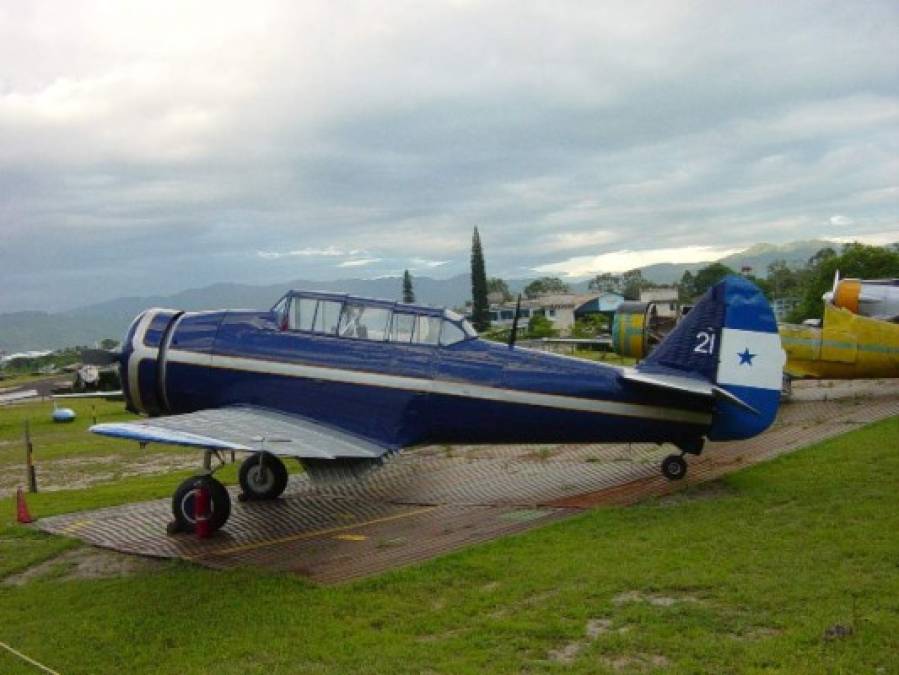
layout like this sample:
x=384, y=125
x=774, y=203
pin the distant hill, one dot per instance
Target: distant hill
x=86, y=325
x=758, y=257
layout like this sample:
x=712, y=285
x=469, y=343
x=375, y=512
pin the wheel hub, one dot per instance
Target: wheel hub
x=261, y=479
x=188, y=506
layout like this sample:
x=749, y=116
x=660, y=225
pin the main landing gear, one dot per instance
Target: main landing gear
x=262, y=476
x=674, y=467
x=185, y=499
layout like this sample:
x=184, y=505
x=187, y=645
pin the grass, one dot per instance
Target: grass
x=18, y=379
x=65, y=455
x=55, y=438
x=605, y=357
x=745, y=576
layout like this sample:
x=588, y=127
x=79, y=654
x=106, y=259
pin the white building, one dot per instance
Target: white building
x=665, y=300
x=783, y=306
x=561, y=309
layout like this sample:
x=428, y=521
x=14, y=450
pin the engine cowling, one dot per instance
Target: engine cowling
x=879, y=298
x=143, y=360
x=633, y=329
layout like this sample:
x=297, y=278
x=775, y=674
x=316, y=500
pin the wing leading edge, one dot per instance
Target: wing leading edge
x=247, y=429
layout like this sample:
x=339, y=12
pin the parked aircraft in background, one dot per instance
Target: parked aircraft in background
x=877, y=299
x=340, y=382
x=858, y=338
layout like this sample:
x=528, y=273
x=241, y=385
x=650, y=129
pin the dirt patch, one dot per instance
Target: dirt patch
x=636, y=662
x=86, y=563
x=568, y=653
x=75, y=473
x=757, y=633
x=530, y=601
x=838, y=631
x=654, y=599
x=702, y=492
x=445, y=635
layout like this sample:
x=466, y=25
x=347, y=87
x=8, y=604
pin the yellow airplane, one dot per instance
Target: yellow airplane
x=858, y=338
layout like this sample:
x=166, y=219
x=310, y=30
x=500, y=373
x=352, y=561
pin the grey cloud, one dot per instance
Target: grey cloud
x=142, y=152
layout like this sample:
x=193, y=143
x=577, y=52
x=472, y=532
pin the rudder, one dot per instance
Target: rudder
x=730, y=338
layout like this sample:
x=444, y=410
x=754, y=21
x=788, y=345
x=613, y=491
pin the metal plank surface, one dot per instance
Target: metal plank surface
x=437, y=499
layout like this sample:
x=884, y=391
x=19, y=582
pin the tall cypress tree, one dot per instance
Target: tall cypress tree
x=408, y=292
x=480, y=308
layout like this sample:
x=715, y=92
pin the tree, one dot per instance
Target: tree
x=499, y=286
x=480, y=307
x=589, y=326
x=632, y=283
x=544, y=286
x=783, y=280
x=685, y=287
x=109, y=343
x=408, y=291
x=539, y=326
x=605, y=283
x=822, y=255
x=709, y=276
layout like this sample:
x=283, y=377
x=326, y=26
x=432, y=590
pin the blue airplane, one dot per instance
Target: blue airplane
x=339, y=382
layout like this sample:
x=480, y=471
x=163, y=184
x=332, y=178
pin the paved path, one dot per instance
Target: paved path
x=437, y=499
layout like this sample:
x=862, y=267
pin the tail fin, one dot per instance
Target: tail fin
x=729, y=338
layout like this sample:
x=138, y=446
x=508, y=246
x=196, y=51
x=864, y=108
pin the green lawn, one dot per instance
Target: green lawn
x=64, y=454
x=19, y=379
x=745, y=575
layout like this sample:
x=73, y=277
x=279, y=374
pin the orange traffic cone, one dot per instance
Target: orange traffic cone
x=22, y=514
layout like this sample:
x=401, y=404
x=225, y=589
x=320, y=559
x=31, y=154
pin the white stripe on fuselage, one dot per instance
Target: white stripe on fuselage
x=141, y=351
x=425, y=385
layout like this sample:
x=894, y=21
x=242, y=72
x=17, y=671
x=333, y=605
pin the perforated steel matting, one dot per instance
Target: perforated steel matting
x=437, y=499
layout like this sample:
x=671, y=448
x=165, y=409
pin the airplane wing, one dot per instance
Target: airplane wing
x=246, y=428
x=108, y=395
x=687, y=385
x=19, y=395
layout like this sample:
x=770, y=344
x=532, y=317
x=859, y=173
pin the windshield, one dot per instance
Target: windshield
x=463, y=323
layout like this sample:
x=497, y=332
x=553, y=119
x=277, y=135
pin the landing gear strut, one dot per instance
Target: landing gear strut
x=674, y=467
x=262, y=476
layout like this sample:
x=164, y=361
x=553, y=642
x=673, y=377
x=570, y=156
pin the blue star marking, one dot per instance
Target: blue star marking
x=746, y=357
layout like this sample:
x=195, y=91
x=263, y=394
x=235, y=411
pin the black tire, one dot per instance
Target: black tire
x=183, y=503
x=674, y=467
x=262, y=476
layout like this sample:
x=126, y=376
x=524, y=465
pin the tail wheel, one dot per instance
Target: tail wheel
x=262, y=476
x=674, y=467
x=184, y=501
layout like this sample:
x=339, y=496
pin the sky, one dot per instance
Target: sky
x=149, y=147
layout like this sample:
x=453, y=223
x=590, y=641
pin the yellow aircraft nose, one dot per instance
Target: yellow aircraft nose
x=847, y=294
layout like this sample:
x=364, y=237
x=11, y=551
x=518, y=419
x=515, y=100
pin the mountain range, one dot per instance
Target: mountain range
x=86, y=325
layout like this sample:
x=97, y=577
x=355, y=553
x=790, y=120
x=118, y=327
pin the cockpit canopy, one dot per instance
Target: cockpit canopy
x=358, y=318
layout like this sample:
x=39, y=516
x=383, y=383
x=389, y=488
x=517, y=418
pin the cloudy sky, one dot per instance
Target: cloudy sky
x=147, y=147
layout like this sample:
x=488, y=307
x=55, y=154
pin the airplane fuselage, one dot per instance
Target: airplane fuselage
x=397, y=394
x=337, y=382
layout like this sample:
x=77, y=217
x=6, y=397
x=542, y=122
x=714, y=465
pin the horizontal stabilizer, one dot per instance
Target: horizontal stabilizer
x=683, y=384
x=246, y=429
